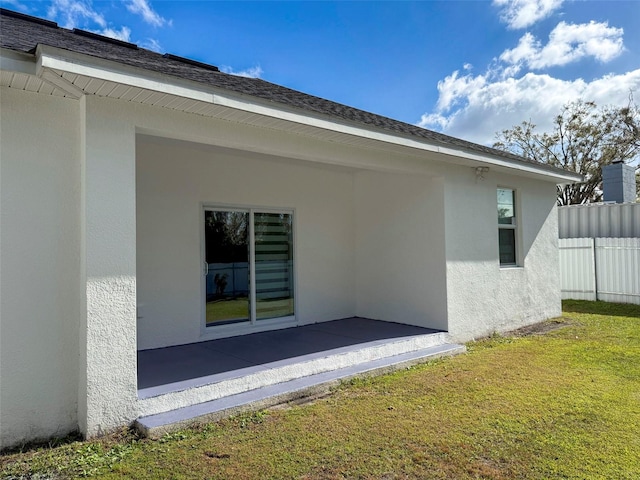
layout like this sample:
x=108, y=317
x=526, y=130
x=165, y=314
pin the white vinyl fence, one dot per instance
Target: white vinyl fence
x=600, y=269
x=611, y=220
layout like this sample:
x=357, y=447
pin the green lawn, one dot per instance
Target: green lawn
x=559, y=405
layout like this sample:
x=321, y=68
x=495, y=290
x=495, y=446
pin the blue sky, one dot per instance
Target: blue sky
x=467, y=68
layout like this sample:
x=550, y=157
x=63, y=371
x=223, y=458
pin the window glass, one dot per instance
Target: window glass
x=507, y=246
x=507, y=228
x=506, y=207
x=227, y=259
x=231, y=285
x=274, y=265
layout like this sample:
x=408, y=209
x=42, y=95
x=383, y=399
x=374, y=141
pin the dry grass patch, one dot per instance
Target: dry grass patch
x=563, y=404
x=542, y=328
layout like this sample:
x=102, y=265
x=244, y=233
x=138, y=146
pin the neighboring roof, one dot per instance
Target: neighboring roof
x=23, y=33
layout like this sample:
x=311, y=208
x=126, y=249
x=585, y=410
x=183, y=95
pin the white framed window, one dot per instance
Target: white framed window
x=507, y=227
x=248, y=265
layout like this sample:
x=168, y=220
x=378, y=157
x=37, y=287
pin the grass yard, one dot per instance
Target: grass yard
x=559, y=405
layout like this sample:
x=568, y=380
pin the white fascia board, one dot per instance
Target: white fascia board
x=72, y=62
x=561, y=177
x=12, y=61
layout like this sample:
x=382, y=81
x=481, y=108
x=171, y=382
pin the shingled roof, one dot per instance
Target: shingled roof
x=23, y=33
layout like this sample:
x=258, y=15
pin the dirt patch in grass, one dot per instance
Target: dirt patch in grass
x=542, y=328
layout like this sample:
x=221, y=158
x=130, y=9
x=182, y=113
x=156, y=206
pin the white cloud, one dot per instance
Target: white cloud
x=567, y=43
x=252, y=72
x=484, y=106
x=81, y=14
x=454, y=88
x=75, y=13
x=512, y=89
x=151, y=44
x=148, y=14
x=524, y=13
x=123, y=34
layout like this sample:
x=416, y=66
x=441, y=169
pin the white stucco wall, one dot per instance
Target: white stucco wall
x=175, y=179
x=40, y=294
x=107, y=391
x=400, y=248
x=482, y=297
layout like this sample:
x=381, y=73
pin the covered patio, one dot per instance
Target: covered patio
x=162, y=370
x=267, y=368
x=258, y=276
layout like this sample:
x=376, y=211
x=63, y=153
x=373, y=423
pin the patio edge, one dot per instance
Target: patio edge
x=155, y=426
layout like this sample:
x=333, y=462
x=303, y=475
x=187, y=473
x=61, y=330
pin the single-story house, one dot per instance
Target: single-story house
x=151, y=201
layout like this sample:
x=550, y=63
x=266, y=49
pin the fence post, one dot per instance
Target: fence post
x=595, y=266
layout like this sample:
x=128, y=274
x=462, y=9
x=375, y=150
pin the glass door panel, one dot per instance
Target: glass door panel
x=227, y=266
x=273, y=246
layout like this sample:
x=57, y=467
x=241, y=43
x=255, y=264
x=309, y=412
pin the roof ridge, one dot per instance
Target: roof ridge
x=190, y=61
x=104, y=38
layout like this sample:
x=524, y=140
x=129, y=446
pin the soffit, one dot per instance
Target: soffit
x=29, y=83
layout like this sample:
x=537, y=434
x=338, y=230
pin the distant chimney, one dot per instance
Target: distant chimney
x=619, y=183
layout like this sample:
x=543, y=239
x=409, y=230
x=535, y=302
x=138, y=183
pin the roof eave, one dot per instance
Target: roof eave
x=53, y=58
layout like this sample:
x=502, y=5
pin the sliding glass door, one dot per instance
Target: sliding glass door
x=248, y=256
x=227, y=266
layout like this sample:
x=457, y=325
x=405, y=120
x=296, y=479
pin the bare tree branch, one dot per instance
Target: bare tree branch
x=584, y=139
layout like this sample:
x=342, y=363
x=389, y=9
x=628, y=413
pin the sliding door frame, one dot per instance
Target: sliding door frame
x=253, y=325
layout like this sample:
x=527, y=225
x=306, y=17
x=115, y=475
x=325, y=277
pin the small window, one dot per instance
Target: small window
x=507, y=226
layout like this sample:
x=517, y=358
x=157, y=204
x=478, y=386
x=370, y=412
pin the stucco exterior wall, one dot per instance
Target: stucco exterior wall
x=400, y=248
x=175, y=179
x=108, y=380
x=483, y=297
x=40, y=295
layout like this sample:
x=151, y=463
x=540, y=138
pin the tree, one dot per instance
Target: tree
x=584, y=139
x=226, y=236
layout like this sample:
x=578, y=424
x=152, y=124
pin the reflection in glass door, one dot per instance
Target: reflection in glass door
x=227, y=266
